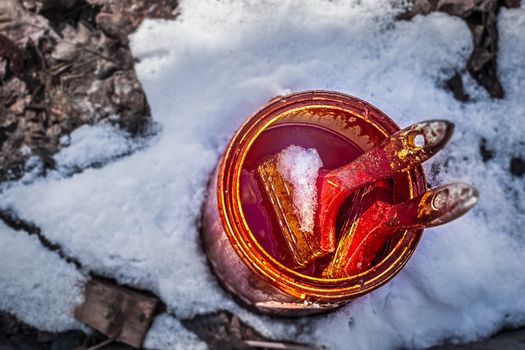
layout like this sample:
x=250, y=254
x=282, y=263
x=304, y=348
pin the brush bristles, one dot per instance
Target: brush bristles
x=303, y=246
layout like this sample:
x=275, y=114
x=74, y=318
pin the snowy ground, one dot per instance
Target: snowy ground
x=134, y=219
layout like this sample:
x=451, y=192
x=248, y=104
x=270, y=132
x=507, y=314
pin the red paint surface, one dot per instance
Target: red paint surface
x=334, y=150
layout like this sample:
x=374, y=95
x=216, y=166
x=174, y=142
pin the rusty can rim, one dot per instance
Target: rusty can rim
x=243, y=241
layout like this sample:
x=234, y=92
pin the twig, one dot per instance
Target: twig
x=82, y=47
x=277, y=345
x=98, y=346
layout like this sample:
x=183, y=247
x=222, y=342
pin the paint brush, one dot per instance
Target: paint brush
x=370, y=232
x=400, y=151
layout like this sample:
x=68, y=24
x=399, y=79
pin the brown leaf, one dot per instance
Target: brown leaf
x=65, y=51
x=7, y=47
x=477, y=34
x=479, y=58
x=460, y=8
x=10, y=51
x=21, y=26
x=511, y=4
x=12, y=90
x=487, y=6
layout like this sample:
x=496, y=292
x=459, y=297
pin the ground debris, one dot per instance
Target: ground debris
x=20, y=25
x=64, y=64
x=120, y=18
x=455, y=85
x=223, y=330
x=118, y=312
x=485, y=152
x=517, y=166
x=481, y=18
x=507, y=340
x=16, y=335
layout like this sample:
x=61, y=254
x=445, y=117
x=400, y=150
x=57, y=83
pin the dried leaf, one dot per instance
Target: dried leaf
x=22, y=26
x=477, y=34
x=59, y=4
x=7, y=47
x=12, y=91
x=487, y=6
x=460, y=8
x=65, y=51
x=422, y=7
x=479, y=58
x=511, y=4
x=9, y=50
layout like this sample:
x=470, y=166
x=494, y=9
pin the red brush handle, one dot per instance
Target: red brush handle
x=401, y=151
x=382, y=221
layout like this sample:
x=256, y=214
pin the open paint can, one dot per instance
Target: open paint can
x=243, y=245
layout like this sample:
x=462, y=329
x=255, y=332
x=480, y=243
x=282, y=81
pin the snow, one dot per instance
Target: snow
x=89, y=146
x=167, y=332
x=36, y=285
x=204, y=73
x=93, y=145
x=300, y=166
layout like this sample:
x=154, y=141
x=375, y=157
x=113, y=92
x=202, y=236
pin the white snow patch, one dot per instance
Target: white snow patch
x=167, y=333
x=134, y=219
x=36, y=285
x=92, y=145
x=300, y=167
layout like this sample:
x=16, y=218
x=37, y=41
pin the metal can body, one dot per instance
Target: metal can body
x=242, y=266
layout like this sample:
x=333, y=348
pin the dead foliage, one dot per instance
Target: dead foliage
x=64, y=64
x=481, y=18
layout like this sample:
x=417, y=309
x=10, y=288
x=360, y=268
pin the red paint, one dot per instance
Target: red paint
x=393, y=155
x=334, y=150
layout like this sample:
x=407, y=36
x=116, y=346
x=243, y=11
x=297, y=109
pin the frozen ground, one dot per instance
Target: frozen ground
x=134, y=219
